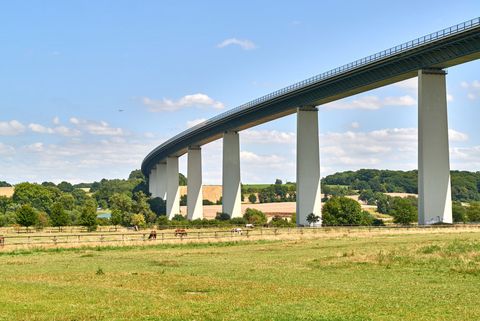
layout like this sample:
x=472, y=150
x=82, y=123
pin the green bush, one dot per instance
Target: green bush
x=26, y=215
x=222, y=216
x=403, y=211
x=255, y=217
x=344, y=211
x=459, y=213
x=238, y=221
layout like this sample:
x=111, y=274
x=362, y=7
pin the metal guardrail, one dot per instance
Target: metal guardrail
x=416, y=43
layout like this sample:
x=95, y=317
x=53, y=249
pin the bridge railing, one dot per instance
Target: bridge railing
x=444, y=33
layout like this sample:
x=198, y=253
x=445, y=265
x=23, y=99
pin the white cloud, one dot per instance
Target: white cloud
x=195, y=100
x=195, y=122
x=37, y=128
x=267, y=137
x=6, y=150
x=355, y=125
x=473, y=89
x=56, y=120
x=245, y=44
x=11, y=128
x=411, y=85
x=35, y=147
x=101, y=128
x=74, y=120
x=60, y=130
x=456, y=136
x=372, y=102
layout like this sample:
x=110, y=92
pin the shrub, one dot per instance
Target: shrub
x=403, y=211
x=208, y=202
x=254, y=216
x=345, y=211
x=252, y=198
x=162, y=220
x=238, y=221
x=459, y=213
x=473, y=212
x=26, y=215
x=222, y=216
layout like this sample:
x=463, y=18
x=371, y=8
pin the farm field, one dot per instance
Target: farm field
x=360, y=276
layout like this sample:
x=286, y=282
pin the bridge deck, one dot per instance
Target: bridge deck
x=445, y=48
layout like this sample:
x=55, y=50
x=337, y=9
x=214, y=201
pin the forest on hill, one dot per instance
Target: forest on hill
x=465, y=185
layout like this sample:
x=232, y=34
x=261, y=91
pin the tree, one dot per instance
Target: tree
x=222, y=216
x=4, y=184
x=138, y=220
x=252, y=198
x=58, y=216
x=344, y=211
x=183, y=200
x=473, y=212
x=67, y=201
x=182, y=180
x=88, y=216
x=80, y=196
x=158, y=206
x=122, y=204
x=26, y=215
x=141, y=206
x=254, y=216
x=459, y=213
x=65, y=187
x=4, y=204
x=278, y=181
x=312, y=218
x=38, y=196
x=403, y=211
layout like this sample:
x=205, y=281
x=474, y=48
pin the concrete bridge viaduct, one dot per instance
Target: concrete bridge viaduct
x=425, y=57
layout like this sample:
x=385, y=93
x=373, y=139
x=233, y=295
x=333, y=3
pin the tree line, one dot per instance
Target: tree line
x=465, y=185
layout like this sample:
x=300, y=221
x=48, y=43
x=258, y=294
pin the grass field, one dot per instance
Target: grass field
x=432, y=276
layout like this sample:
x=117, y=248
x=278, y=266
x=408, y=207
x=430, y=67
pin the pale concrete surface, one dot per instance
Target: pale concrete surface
x=435, y=200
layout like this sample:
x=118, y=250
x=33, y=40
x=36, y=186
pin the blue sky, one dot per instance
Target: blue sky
x=68, y=67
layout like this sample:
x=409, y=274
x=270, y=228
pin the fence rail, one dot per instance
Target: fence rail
x=34, y=239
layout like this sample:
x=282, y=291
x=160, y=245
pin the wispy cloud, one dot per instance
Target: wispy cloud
x=11, y=128
x=100, y=128
x=6, y=150
x=191, y=123
x=473, y=89
x=60, y=130
x=195, y=100
x=245, y=44
x=372, y=102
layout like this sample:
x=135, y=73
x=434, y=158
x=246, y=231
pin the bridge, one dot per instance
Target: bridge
x=425, y=57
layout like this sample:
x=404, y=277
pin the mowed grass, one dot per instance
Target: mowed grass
x=381, y=277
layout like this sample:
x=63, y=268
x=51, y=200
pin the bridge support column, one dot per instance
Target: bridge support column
x=173, y=195
x=152, y=180
x=434, y=191
x=161, y=181
x=231, y=188
x=194, y=174
x=308, y=165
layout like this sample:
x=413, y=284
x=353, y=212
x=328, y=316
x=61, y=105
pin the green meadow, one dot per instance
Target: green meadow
x=434, y=276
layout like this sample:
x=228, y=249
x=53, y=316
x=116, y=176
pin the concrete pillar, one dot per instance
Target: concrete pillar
x=231, y=188
x=152, y=178
x=308, y=165
x=194, y=191
x=161, y=180
x=173, y=195
x=434, y=192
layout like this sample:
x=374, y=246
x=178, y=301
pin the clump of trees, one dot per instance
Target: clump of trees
x=345, y=211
